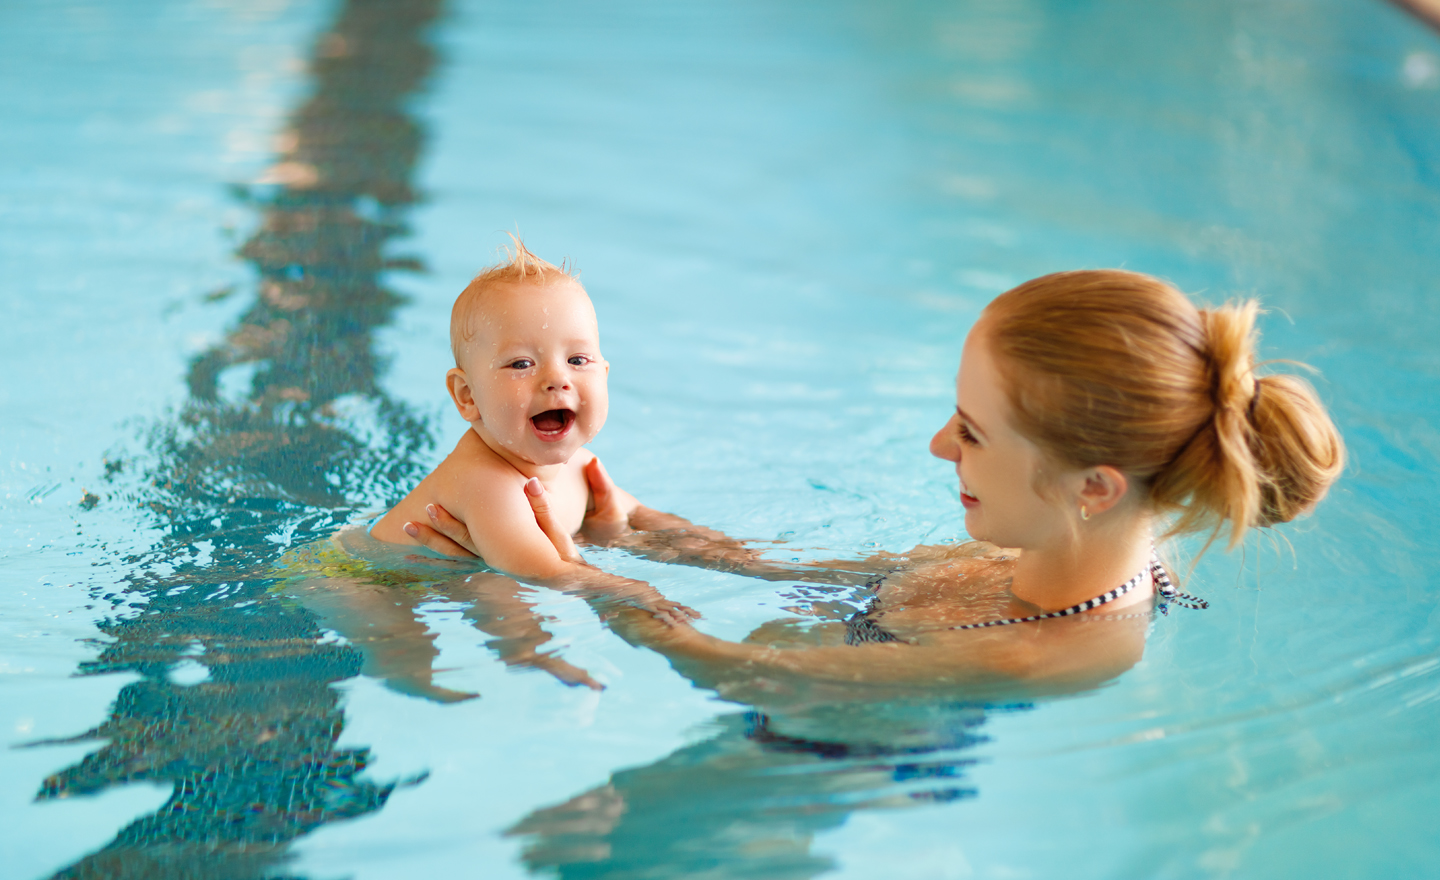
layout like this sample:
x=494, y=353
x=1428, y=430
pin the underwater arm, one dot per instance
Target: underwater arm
x=1050, y=657
x=517, y=631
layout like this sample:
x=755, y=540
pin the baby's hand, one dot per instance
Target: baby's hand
x=568, y=673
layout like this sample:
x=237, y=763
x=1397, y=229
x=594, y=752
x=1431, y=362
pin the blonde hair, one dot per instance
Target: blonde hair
x=518, y=266
x=1107, y=367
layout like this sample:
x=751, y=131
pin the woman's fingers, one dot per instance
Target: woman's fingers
x=433, y=540
x=601, y=485
x=540, y=504
x=602, y=491
x=450, y=527
x=608, y=518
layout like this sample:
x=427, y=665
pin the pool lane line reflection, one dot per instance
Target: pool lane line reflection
x=251, y=750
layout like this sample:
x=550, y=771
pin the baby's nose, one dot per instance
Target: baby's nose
x=557, y=383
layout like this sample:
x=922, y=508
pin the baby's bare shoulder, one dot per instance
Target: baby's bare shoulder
x=471, y=483
x=470, y=473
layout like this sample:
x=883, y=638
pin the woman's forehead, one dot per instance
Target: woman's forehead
x=978, y=389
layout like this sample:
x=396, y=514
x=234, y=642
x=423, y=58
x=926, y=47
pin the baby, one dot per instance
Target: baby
x=530, y=380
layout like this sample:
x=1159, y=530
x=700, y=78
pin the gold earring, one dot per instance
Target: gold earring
x=1084, y=513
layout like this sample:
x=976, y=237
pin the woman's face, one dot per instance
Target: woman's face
x=999, y=468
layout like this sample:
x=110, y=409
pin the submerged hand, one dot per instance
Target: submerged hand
x=666, y=611
x=567, y=673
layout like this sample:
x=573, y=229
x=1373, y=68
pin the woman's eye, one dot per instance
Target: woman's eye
x=521, y=364
x=579, y=360
x=965, y=435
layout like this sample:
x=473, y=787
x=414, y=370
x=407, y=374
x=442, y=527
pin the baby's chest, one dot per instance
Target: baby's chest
x=568, y=501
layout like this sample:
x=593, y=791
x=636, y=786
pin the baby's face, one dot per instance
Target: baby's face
x=532, y=371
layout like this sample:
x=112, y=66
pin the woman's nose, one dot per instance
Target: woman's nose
x=945, y=444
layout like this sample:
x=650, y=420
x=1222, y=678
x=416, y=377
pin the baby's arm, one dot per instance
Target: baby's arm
x=518, y=630
x=508, y=537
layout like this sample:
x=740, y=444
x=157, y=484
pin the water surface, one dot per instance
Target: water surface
x=231, y=237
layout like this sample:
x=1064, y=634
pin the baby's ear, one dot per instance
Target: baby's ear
x=458, y=385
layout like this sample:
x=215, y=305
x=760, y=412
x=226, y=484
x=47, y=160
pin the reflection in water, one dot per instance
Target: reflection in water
x=250, y=750
x=373, y=595
x=748, y=801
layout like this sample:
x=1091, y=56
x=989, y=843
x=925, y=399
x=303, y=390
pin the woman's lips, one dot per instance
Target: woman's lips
x=965, y=497
x=552, y=424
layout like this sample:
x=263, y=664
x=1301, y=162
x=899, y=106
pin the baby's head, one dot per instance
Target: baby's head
x=528, y=374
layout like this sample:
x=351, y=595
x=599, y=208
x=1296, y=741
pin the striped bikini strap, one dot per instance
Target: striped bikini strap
x=1167, y=590
x=1163, y=586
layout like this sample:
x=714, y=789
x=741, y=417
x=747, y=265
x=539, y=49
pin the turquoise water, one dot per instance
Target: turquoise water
x=788, y=215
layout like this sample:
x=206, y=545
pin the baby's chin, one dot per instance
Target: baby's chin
x=539, y=452
x=549, y=456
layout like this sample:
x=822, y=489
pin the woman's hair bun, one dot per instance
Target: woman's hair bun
x=1270, y=450
x=1296, y=446
x=1106, y=367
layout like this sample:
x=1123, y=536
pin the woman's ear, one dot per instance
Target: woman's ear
x=1104, y=487
x=459, y=387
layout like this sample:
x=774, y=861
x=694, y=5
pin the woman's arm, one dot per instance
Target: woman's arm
x=1053, y=656
x=1047, y=657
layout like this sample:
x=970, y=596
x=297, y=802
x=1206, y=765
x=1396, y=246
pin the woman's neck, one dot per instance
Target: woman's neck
x=1096, y=560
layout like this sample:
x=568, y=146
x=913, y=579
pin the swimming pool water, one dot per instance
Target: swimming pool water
x=231, y=234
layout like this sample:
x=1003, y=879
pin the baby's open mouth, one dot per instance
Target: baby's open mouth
x=553, y=423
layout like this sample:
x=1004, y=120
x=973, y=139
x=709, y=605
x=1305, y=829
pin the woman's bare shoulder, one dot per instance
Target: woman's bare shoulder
x=939, y=564
x=962, y=550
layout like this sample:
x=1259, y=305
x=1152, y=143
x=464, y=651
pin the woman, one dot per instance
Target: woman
x=1096, y=413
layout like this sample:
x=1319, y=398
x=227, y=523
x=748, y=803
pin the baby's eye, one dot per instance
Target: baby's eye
x=521, y=364
x=579, y=360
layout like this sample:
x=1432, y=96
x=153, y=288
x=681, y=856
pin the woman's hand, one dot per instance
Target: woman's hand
x=607, y=519
x=445, y=535
x=540, y=503
x=609, y=515
x=449, y=536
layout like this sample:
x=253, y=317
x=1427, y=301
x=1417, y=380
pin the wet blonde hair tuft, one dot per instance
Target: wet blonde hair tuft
x=518, y=266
